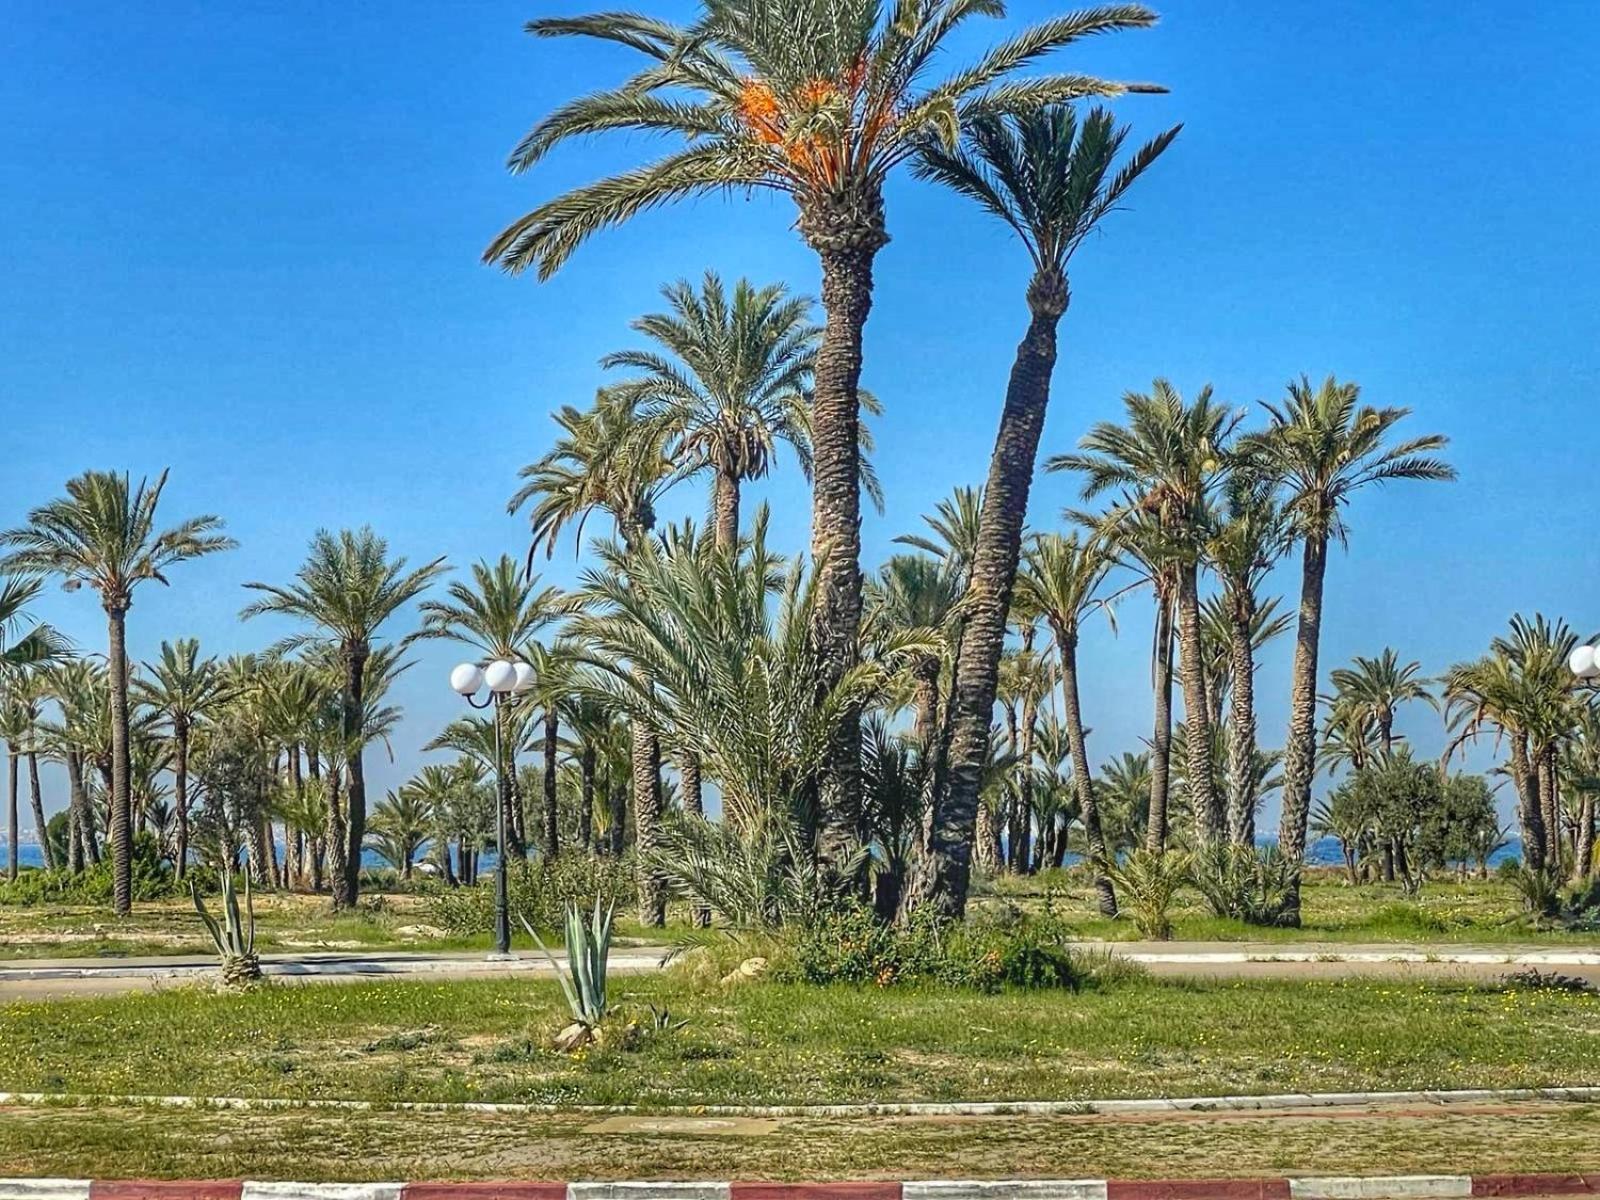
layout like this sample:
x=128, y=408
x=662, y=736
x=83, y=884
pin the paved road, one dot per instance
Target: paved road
x=50, y=978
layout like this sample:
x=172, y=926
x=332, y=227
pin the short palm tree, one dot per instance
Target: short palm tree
x=820, y=102
x=1061, y=579
x=1322, y=447
x=730, y=377
x=1375, y=687
x=348, y=588
x=103, y=533
x=183, y=688
x=399, y=826
x=1051, y=178
x=1167, y=461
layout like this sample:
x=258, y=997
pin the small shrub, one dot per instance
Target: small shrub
x=1149, y=884
x=153, y=879
x=1244, y=883
x=1539, y=891
x=540, y=893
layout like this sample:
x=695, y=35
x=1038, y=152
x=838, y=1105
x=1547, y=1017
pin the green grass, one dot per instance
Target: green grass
x=118, y=1142
x=793, y=1044
x=1471, y=912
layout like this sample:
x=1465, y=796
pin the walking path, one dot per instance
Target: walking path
x=50, y=978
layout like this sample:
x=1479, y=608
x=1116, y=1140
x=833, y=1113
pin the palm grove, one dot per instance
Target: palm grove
x=876, y=735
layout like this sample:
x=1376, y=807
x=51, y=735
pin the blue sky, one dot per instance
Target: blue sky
x=242, y=241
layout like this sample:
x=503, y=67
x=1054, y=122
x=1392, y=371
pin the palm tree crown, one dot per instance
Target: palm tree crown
x=819, y=100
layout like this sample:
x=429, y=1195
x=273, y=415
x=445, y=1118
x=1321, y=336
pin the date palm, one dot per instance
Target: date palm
x=1051, y=178
x=1062, y=579
x=499, y=613
x=821, y=102
x=103, y=534
x=400, y=825
x=183, y=688
x=1322, y=447
x=1168, y=461
x=347, y=589
x=729, y=375
x=1375, y=687
x=25, y=643
x=1249, y=536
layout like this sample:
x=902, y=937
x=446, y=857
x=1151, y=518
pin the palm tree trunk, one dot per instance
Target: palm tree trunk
x=1549, y=805
x=1155, y=833
x=646, y=760
x=11, y=815
x=942, y=875
x=1583, y=851
x=180, y=792
x=1202, y=779
x=1300, y=747
x=75, y=841
x=121, y=766
x=552, y=829
x=619, y=820
x=338, y=844
x=1024, y=822
x=78, y=799
x=693, y=806
x=1082, y=778
x=846, y=238
x=347, y=881
x=586, y=766
x=36, y=800
x=1529, y=812
x=1242, y=726
x=725, y=509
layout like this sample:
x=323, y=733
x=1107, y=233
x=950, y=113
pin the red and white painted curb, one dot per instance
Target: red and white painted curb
x=1328, y=1187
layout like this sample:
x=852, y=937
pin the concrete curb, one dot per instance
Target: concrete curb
x=980, y=1108
x=1342, y=1187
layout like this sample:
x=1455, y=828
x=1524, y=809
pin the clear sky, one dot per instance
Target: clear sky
x=241, y=240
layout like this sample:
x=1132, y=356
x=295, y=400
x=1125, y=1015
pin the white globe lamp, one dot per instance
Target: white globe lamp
x=1584, y=663
x=466, y=679
x=500, y=675
x=525, y=676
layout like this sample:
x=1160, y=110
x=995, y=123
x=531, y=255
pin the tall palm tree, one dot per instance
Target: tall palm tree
x=730, y=377
x=103, y=534
x=183, y=688
x=25, y=643
x=348, y=589
x=1167, y=460
x=1247, y=539
x=1050, y=178
x=822, y=103
x=1375, y=687
x=1322, y=447
x=14, y=730
x=400, y=824
x=1061, y=579
x=610, y=460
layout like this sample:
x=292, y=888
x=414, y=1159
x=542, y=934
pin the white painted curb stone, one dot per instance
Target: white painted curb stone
x=321, y=1191
x=44, y=1189
x=648, y=1191
x=1006, y=1189
x=1393, y=1187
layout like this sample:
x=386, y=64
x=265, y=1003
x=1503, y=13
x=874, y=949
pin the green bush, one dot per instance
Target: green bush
x=1244, y=883
x=848, y=944
x=153, y=879
x=540, y=893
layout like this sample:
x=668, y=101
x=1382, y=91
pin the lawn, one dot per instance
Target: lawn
x=1476, y=911
x=117, y=1142
x=772, y=1043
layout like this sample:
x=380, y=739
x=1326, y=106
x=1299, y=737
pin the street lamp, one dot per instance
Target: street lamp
x=504, y=678
x=1584, y=662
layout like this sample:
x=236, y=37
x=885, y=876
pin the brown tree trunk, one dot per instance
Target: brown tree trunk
x=646, y=760
x=78, y=797
x=1202, y=779
x=1583, y=851
x=1242, y=726
x=1155, y=832
x=1529, y=812
x=15, y=763
x=347, y=880
x=121, y=766
x=941, y=877
x=76, y=855
x=1300, y=747
x=1549, y=805
x=693, y=806
x=586, y=767
x=1082, y=779
x=619, y=820
x=846, y=236
x=552, y=813
x=1022, y=822
x=36, y=800
x=338, y=843
x=725, y=509
x=180, y=792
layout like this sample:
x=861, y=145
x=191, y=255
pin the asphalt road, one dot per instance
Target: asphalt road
x=40, y=979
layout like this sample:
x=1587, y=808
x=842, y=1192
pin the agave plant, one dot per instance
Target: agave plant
x=234, y=936
x=584, y=981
